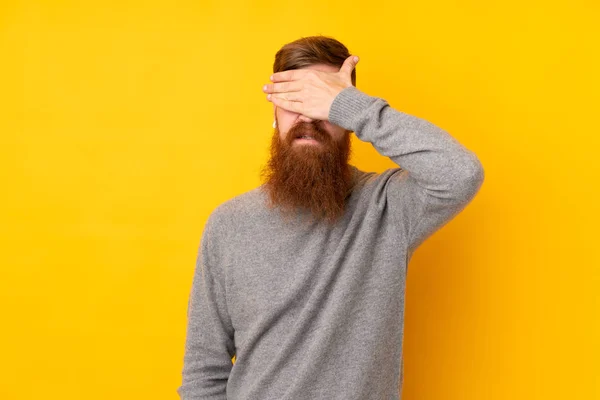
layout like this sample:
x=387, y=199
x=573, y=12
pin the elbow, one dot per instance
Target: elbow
x=471, y=178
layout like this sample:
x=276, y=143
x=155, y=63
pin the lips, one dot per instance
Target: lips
x=306, y=132
x=304, y=135
x=308, y=139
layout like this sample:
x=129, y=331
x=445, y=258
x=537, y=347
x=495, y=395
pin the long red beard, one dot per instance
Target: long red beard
x=302, y=177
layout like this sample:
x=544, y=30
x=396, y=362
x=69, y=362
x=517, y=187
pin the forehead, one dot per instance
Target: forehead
x=323, y=67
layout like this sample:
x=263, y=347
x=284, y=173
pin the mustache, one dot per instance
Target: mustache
x=308, y=128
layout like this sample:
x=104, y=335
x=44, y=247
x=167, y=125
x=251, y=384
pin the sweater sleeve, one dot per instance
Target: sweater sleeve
x=437, y=177
x=209, y=345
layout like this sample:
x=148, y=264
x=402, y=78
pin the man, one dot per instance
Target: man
x=303, y=278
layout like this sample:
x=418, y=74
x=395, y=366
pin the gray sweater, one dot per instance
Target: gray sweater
x=313, y=311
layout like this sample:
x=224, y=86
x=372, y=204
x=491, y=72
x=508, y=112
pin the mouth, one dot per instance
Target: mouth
x=307, y=134
x=306, y=139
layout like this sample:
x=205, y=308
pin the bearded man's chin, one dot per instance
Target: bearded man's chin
x=313, y=177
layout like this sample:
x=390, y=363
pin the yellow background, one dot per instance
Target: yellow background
x=124, y=124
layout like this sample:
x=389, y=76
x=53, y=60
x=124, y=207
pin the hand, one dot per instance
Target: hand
x=307, y=91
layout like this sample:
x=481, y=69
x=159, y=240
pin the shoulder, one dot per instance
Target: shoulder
x=379, y=182
x=237, y=209
x=227, y=220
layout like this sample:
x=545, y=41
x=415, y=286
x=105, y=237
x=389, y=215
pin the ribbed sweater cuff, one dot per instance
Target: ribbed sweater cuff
x=347, y=106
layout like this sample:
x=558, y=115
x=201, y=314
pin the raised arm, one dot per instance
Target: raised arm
x=437, y=177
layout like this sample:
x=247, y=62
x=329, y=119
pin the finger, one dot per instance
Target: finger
x=292, y=86
x=291, y=96
x=289, y=75
x=294, y=106
x=349, y=64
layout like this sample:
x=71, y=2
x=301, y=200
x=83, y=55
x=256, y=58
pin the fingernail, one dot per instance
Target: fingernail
x=265, y=88
x=355, y=58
